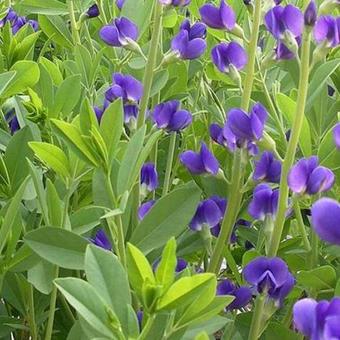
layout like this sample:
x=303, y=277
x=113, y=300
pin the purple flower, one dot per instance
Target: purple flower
x=145, y=208
x=280, y=20
x=122, y=32
x=311, y=14
x=120, y=3
x=270, y=275
x=34, y=24
x=267, y=168
x=215, y=231
x=307, y=177
x=318, y=320
x=175, y=3
x=327, y=31
x=222, y=17
x=225, y=56
x=325, y=220
x=93, y=11
x=101, y=240
x=12, y=120
x=216, y=134
x=18, y=23
x=140, y=315
x=130, y=113
x=209, y=213
x=336, y=135
x=242, y=128
x=200, y=163
x=189, y=43
x=283, y=52
x=180, y=265
x=242, y=294
x=149, y=177
x=264, y=202
x=100, y=111
x=11, y=16
x=168, y=116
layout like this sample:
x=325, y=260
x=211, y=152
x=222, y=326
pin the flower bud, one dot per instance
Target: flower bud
x=310, y=14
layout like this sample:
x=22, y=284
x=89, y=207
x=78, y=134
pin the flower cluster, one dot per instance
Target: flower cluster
x=16, y=21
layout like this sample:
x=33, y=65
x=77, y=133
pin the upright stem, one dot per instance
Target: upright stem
x=301, y=225
x=147, y=328
x=75, y=32
x=292, y=145
x=235, y=196
x=255, y=327
x=172, y=145
x=150, y=65
x=31, y=313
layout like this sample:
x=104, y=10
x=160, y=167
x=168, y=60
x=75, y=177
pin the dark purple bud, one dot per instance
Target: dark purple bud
x=267, y=168
x=140, y=315
x=311, y=14
x=325, y=220
x=327, y=30
x=34, y=24
x=283, y=52
x=120, y=3
x=280, y=20
x=101, y=240
x=226, y=55
x=170, y=117
x=264, y=202
x=330, y=90
x=336, y=135
x=130, y=113
x=175, y=3
x=200, y=163
x=149, y=177
x=19, y=22
x=181, y=265
x=242, y=294
x=11, y=17
x=307, y=177
x=277, y=2
x=197, y=30
x=216, y=134
x=93, y=11
x=145, y=208
x=120, y=33
x=270, y=275
x=222, y=17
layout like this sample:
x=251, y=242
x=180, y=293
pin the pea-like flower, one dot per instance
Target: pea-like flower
x=12, y=121
x=203, y=162
x=267, y=168
x=120, y=4
x=180, y=265
x=242, y=294
x=270, y=275
x=326, y=31
x=307, y=177
x=226, y=56
x=264, y=202
x=121, y=33
x=170, y=117
x=283, y=52
x=189, y=43
x=145, y=208
x=17, y=22
x=336, y=135
x=175, y=3
x=222, y=17
x=310, y=14
x=317, y=320
x=101, y=240
x=93, y=11
x=209, y=213
x=325, y=220
x=149, y=177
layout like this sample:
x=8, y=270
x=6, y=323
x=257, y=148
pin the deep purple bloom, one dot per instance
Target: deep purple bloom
x=336, y=135
x=242, y=128
x=11, y=16
x=100, y=111
x=229, y=55
x=181, y=265
x=18, y=23
x=209, y=213
x=222, y=17
x=216, y=134
x=170, y=117
x=280, y=20
x=140, y=315
x=311, y=14
x=101, y=240
x=34, y=24
x=283, y=52
x=149, y=177
x=120, y=3
x=145, y=208
x=267, y=168
x=12, y=121
x=242, y=294
x=130, y=113
x=200, y=163
x=264, y=202
x=270, y=275
x=189, y=43
x=215, y=231
x=318, y=320
x=93, y=11
x=175, y=3
x=325, y=220
x=122, y=32
x=327, y=30
x=307, y=177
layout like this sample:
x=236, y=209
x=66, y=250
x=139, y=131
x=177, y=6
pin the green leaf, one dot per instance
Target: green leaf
x=288, y=108
x=165, y=273
x=320, y=278
x=52, y=69
x=5, y=80
x=25, y=49
x=41, y=276
x=53, y=156
x=54, y=204
x=168, y=217
x=86, y=301
x=106, y=274
x=58, y=246
x=48, y=7
x=328, y=154
x=139, y=269
x=26, y=75
x=159, y=81
x=186, y=290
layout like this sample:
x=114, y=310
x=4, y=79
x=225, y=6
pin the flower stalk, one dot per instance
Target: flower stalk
x=256, y=322
x=172, y=145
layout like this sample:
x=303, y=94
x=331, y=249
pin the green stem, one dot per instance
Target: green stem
x=314, y=255
x=147, y=328
x=292, y=145
x=74, y=28
x=150, y=65
x=67, y=308
x=31, y=313
x=171, y=152
x=301, y=225
x=120, y=240
x=255, y=327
